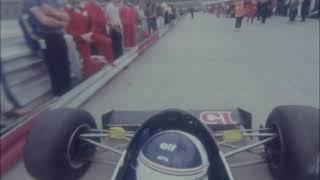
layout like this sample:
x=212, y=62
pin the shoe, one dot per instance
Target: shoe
x=17, y=112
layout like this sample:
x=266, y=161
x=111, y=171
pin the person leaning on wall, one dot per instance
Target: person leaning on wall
x=48, y=19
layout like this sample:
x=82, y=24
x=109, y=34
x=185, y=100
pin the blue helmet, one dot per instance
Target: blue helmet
x=172, y=155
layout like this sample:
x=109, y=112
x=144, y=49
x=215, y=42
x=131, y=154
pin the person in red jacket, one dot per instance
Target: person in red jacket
x=239, y=13
x=251, y=10
x=98, y=32
x=78, y=28
x=128, y=20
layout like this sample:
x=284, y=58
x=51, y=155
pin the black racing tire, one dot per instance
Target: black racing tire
x=294, y=155
x=54, y=150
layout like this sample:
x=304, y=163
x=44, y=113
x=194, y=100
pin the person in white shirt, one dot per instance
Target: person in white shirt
x=115, y=26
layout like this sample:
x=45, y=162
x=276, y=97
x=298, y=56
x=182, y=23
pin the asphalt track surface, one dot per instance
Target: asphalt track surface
x=203, y=63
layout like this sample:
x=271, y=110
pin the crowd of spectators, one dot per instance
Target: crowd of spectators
x=260, y=9
x=98, y=28
x=76, y=38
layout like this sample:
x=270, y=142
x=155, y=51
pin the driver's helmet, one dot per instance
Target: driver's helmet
x=172, y=155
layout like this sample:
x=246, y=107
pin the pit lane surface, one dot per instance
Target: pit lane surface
x=204, y=64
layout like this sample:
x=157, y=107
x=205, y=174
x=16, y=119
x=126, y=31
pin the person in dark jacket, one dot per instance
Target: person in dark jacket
x=264, y=11
x=48, y=19
x=150, y=14
x=305, y=9
x=258, y=13
x=293, y=10
x=192, y=12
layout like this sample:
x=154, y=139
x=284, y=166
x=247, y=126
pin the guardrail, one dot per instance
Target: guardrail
x=26, y=73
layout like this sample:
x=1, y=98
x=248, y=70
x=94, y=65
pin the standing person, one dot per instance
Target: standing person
x=174, y=12
x=219, y=9
x=239, y=10
x=270, y=8
x=141, y=19
x=258, y=12
x=192, y=12
x=154, y=17
x=97, y=30
x=166, y=16
x=113, y=14
x=148, y=13
x=293, y=10
x=305, y=9
x=79, y=29
x=128, y=16
x=264, y=11
x=160, y=14
x=48, y=19
x=251, y=10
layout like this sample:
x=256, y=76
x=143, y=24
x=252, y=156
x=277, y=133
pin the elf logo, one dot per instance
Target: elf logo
x=168, y=147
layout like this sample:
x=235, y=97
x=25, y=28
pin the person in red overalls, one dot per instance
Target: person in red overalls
x=128, y=20
x=239, y=13
x=78, y=28
x=251, y=10
x=98, y=32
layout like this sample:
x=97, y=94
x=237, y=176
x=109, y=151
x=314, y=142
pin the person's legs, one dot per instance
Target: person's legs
x=104, y=46
x=9, y=108
x=56, y=58
x=240, y=22
x=158, y=23
x=149, y=22
x=6, y=104
x=89, y=66
x=155, y=27
x=113, y=37
x=291, y=15
x=295, y=12
x=74, y=58
x=162, y=21
x=116, y=43
x=303, y=17
x=237, y=22
x=264, y=18
x=252, y=19
x=304, y=13
x=119, y=45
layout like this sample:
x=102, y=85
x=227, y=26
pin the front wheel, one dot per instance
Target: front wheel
x=294, y=154
x=54, y=149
